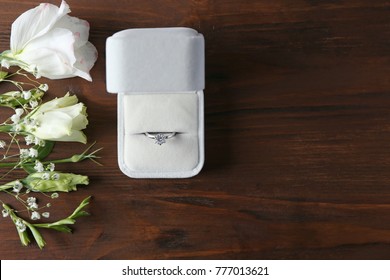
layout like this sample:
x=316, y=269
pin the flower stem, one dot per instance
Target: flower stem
x=5, y=128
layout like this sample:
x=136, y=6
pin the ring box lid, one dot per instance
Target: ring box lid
x=155, y=60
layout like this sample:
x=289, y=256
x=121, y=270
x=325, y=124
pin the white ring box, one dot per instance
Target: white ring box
x=158, y=74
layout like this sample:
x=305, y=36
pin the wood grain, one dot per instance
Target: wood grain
x=297, y=137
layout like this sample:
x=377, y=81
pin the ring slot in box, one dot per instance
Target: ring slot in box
x=159, y=77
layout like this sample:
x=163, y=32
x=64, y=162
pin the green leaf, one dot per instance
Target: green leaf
x=61, y=228
x=80, y=214
x=3, y=74
x=79, y=209
x=37, y=236
x=29, y=168
x=24, y=237
x=45, y=150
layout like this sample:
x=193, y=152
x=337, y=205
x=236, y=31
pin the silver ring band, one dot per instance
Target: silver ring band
x=160, y=137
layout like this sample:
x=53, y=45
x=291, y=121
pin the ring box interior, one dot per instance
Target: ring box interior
x=158, y=74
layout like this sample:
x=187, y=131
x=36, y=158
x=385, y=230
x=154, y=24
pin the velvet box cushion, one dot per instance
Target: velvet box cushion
x=174, y=112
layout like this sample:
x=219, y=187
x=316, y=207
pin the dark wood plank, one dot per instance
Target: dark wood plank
x=297, y=138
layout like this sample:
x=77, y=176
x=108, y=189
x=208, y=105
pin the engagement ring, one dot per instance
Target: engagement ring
x=160, y=137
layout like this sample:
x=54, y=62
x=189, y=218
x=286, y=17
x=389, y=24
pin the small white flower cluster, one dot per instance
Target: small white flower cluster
x=39, y=167
x=32, y=203
x=15, y=118
x=31, y=152
x=19, y=126
x=46, y=176
x=20, y=225
x=31, y=139
x=33, y=206
x=28, y=153
x=18, y=186
x=28, y=95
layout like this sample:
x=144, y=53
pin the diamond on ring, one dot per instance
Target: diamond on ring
x=160, y=137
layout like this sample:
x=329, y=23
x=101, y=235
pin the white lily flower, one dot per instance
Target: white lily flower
x=47, y=42
x=60, y=119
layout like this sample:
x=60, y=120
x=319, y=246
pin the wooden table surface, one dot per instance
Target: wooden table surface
x=297, y=109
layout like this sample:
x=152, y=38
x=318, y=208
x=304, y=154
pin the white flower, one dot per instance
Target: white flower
x=5, y=213
x=15, y=118
x=26, y=94
x=33, y=205
x=39, y=166
x=46, y=214
x=33, y=103
x=54, y=195
x=24, y=153
x=2, y=144
x=19, y=112
x=46, y=176
x=33, y=153
x=17, y=187
x=5, y=64
x=39, y=142
x=31, y=200
x=60, y=119
x=20, y=225
x=51, y=167
x=43, y=87
x=47, y=42
x=35, y=215
x=29, y=139
x=55, y=176
x=17, y=128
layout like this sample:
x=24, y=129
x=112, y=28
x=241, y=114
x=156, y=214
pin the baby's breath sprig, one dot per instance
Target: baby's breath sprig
x=22, y=226
x=29, y=161
x=27, y=98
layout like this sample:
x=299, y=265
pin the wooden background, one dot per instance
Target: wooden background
x=297, y=138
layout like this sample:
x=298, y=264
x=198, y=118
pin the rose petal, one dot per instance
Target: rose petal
x=35, y=23
x=52, y=53
x=86, y=57
x=79, y=28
